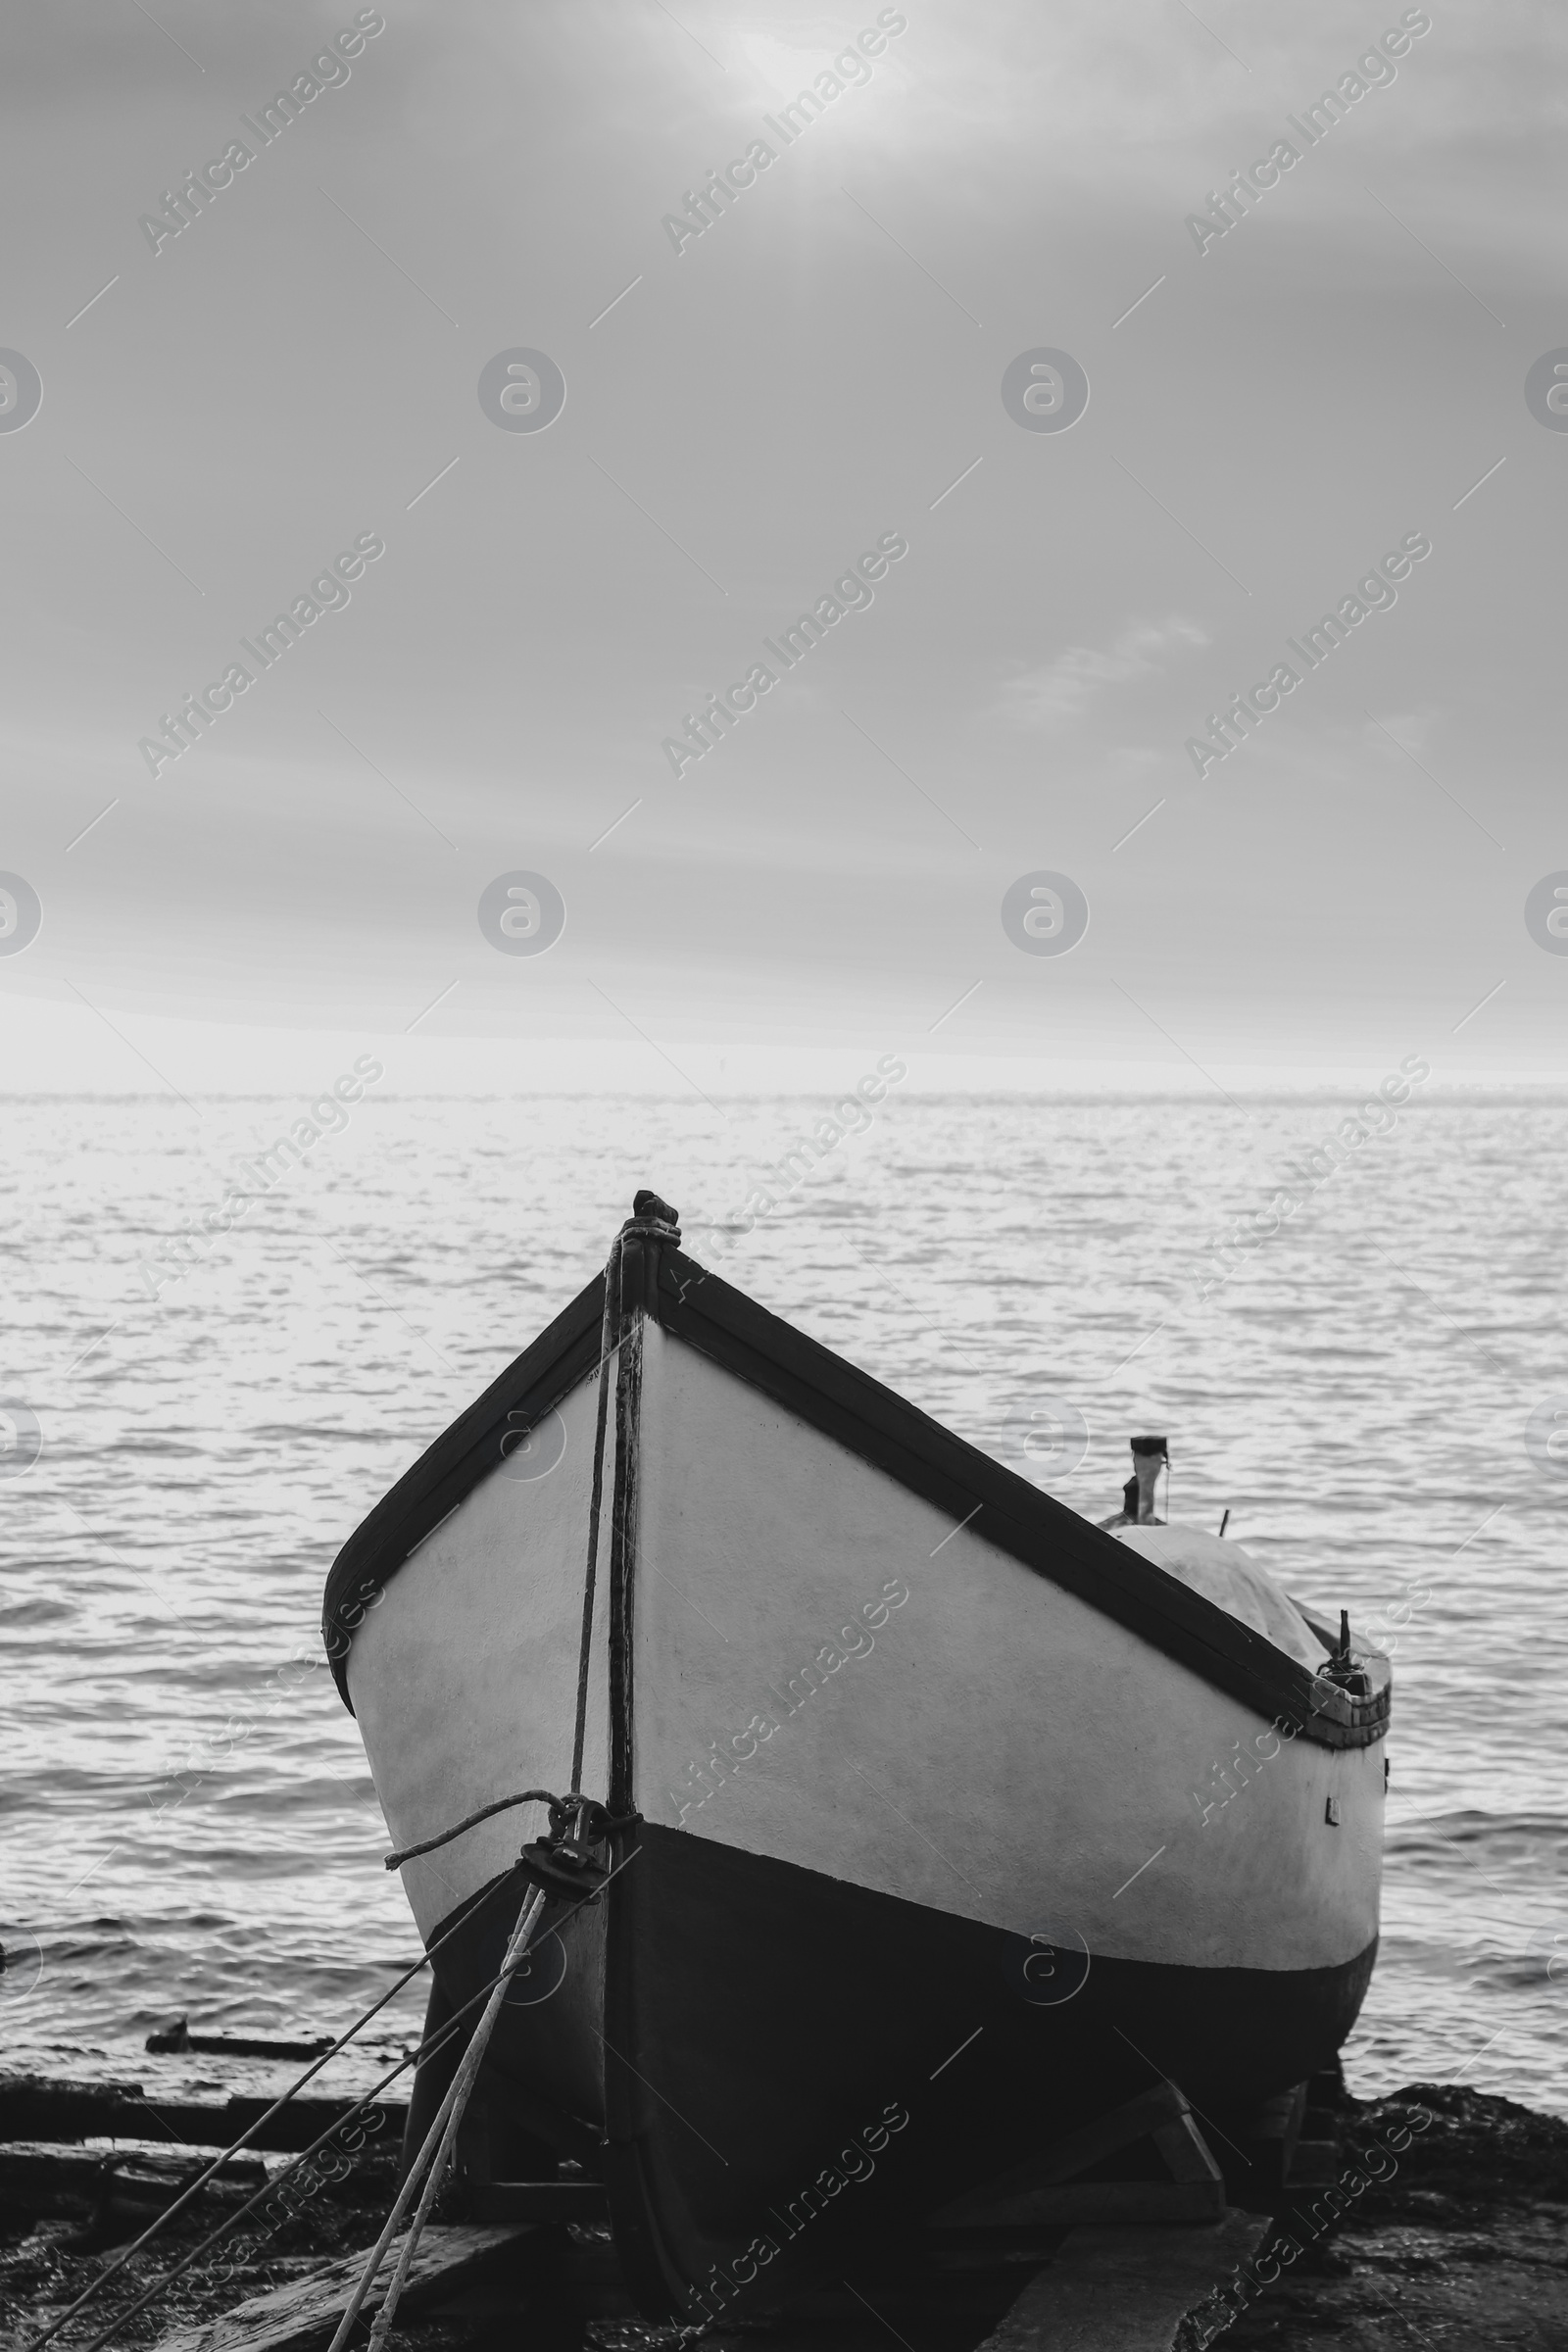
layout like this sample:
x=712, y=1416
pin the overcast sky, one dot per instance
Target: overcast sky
x=299, y=366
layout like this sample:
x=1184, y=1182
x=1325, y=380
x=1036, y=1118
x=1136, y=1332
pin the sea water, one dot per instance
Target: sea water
x=1367, y=1386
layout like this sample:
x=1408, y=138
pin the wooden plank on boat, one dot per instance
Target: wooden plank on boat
x=309, y=2309
x=1125, y=2290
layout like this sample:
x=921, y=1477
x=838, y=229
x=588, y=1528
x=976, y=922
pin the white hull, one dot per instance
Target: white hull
x=994, y=1748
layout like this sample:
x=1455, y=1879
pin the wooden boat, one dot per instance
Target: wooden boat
x=929, y=1819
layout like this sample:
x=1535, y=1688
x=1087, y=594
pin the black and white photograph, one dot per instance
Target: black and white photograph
x=784, y=1065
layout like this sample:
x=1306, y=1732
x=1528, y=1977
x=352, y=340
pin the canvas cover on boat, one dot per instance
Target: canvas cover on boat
x=1235, y=1582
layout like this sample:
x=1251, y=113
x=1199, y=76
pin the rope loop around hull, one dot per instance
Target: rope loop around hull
x=596, y=1823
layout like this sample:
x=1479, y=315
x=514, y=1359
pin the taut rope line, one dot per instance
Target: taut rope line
x=162, y=2220
x=437, y=2147
x=427, y=2049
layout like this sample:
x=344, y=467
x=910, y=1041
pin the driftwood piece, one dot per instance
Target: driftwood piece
x=309, y=2309
x=178, y=2037
x=41, y=2177
x=55, y=2182
x=43, y=2108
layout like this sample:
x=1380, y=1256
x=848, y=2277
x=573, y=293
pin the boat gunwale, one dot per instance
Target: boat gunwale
x=882, y=1428
x=431, y=1489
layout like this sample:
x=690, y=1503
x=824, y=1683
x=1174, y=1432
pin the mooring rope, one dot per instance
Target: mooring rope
x=161, y=2285
x=501, y=1804
x=560, y=1809
x=436, y=2149
x=428, y=2048
x=169, y=2212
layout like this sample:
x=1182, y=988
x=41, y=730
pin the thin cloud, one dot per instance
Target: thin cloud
x=1394, y=732
x=1062, y=691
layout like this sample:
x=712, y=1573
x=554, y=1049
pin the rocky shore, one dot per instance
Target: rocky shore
x=1451, y=2232
x=50, y=2257
x=1446, y=2225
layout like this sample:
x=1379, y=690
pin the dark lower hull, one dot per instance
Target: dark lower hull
x=765, y=2064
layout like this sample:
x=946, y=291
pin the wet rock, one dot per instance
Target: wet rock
x=1447, y=2223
